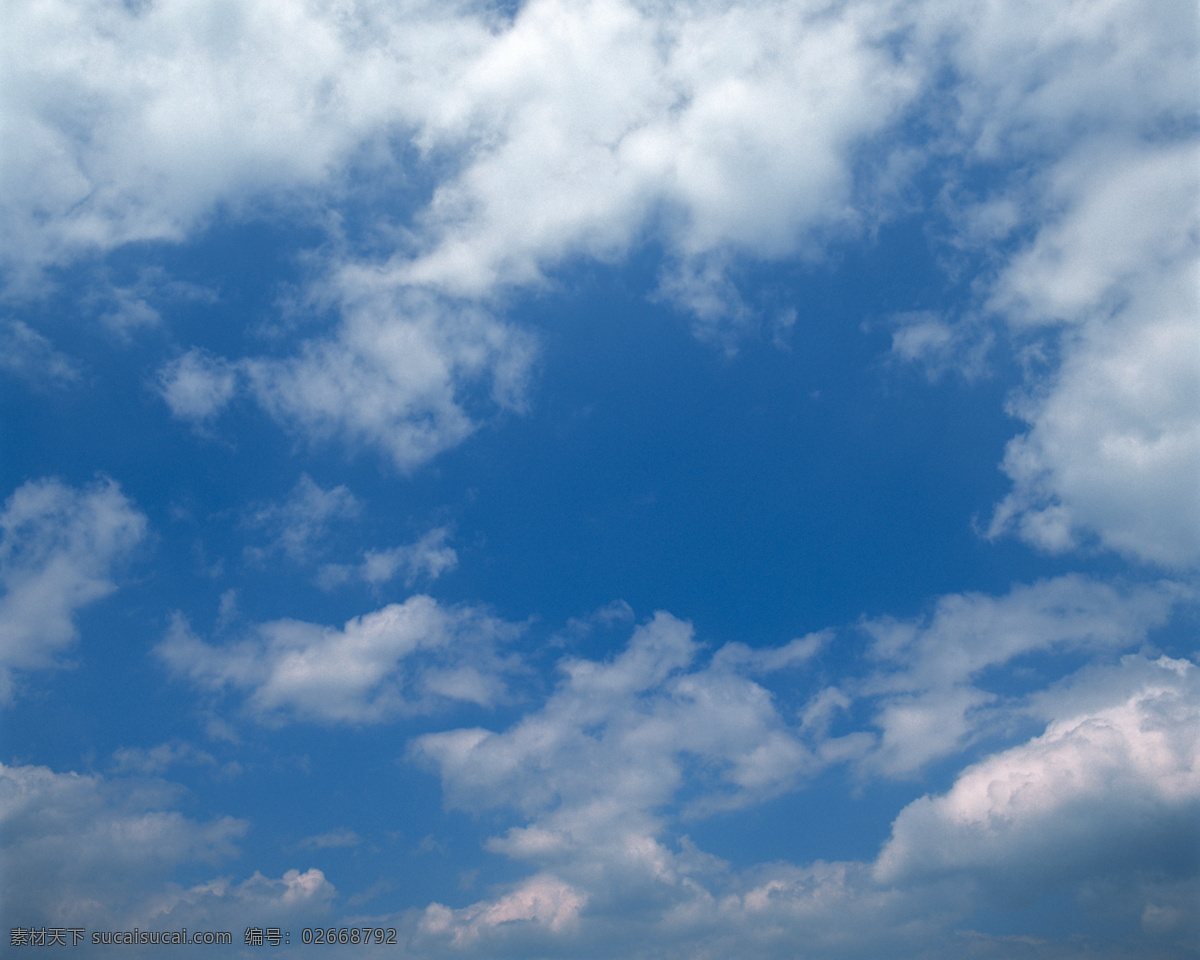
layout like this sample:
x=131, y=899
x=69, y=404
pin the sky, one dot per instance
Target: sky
x=602, y=479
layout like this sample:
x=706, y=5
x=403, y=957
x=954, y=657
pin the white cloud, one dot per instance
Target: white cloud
x=659, y=725
x=59, y=549
x=929, y=688
x=157, y=760
x=402, y=659
x=570, y=129
x=1074, y=126
x=428, y=557
x=299, y=524
x=1033, y=79
x=1114, y=445
x=939, y=346
x=720, y=129
x=593, y=769
x=541, y=903
x=296, y=898
x=402, y=372
x=721, y=132
x=739, y=657
x=197, y=386
x=27, y=354
x=333, y=839
x=85, y=850
x=1106, y=288
x=1109, y=791
x=103, y=853
x=129, y=122
x=1102, y=806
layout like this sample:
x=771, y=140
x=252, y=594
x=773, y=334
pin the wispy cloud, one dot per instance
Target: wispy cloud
x=429, y=557
x=405, y=658
x=27, y=354
x=59, y=550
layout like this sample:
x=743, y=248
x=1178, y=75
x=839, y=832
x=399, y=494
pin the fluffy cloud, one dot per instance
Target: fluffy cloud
x=1107, y=797
x=59, y=549
x=1091, y=209
x=196, y=386
x=571, y=126
x=542, y=904
x=646, y=707
x=402, y=372
x=129, y=122
x=428, y=557
x=592, y=773
x=402, y=659
x=603, y=120
x=1114, y=445
x=296, y=897
x=573, y=129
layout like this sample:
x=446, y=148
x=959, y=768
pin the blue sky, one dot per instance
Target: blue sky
x=603, y=479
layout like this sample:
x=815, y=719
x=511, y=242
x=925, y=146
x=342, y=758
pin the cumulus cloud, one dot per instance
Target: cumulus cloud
x=402, y=372
x=591, y=776
x=603, y=120
x=1092, y=216
x=1114, y=445
x=1110, y=791
x=129, y=122
x=59, y=549
x=297, y=896
x=574, y=125
x=655, y=720
x=406, y=373
x=1038, y=80
x=541, y=904
x=403, y=659
x=571, y=129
